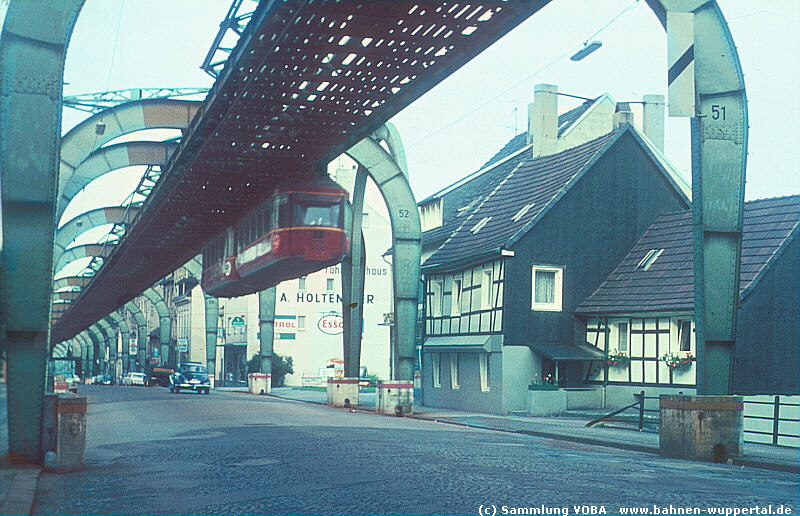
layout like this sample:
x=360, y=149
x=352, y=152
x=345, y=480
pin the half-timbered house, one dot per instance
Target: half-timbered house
x=643, y=312
x=545, y=230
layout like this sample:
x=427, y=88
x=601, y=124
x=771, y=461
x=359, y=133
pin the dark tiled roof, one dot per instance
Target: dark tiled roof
x=527, y=181
x=565, y=121
x=668, y=285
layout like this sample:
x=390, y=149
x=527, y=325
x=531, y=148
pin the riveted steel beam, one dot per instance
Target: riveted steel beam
x=703, y=55
x=406, y=246
x=33, y=46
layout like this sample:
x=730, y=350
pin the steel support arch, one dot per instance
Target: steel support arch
x=164, y=322
x=83, y=139
x=31, y=78
x=719, y=157
x=353, y=272
x=406, y=247
x=109, y=344
x=82, y=223
x=116, y=320
x=111, y=158
x=211, y=316
x=141, y=335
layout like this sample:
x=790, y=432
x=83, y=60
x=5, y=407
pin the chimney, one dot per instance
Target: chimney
x=653, y=120
x=623, y=115
x=543, y=120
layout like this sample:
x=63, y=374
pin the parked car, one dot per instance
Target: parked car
x=63, y=382
x=190, y=376
x=134, y=379
x=103, y=379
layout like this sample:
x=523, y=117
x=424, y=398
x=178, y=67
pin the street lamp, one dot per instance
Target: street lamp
x=587, y=49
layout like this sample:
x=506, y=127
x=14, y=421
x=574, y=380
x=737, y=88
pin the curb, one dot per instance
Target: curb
x=22, y=491
x=741, y=461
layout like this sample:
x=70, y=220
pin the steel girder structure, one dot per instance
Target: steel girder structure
x=100, y=101
x=306, y=82
x=33, y=46
x=700, y=42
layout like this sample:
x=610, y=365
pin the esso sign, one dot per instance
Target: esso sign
x=331, y=324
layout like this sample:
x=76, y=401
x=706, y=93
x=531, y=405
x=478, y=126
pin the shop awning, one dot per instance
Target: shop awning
x=464, y=344
x=565, y=352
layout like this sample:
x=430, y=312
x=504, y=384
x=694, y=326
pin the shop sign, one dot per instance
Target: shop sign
x=285, y=327
x=133, y=346
x=331, y=323
x=183, y=345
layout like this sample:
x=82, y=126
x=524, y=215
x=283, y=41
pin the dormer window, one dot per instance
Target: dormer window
x=430, y=214
x=649, y=259
x=481, y=223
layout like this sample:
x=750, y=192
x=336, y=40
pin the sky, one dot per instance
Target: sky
x=458, y=125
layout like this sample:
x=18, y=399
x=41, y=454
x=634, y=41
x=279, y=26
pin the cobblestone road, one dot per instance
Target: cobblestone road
x=154, y=452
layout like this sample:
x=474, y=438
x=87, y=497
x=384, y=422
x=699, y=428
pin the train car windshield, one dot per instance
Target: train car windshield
x=317, y=211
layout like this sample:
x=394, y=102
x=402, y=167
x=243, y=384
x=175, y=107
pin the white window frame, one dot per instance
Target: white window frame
x=437, y=294
x=556, y=305
x=436, y=369
x=455, y=296
x=486, y=289
x=614, y=343
x=454, y=359
x=483, y=363
x=675, y=335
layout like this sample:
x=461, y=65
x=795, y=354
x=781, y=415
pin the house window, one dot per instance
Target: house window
x=365, y=220
x=454, y=357
x=301, y=322
x=622, y=336
x=684, y=335
x=436, y=298
x=329, y=285
x=436, y=369
x=649, y=259
x=455, y=299
x=546, y=290
x=486, y=289
x=301, y=283
x=483, y=362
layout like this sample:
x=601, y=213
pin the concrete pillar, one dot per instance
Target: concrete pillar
x=543, y=124
x=266, y=328
x=653, y=120
x=705, y=428
x=343, y=392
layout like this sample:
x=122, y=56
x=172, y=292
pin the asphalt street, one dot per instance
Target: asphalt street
x=149, y=451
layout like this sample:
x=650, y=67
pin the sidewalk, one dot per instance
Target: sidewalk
x=17, y=481
x=573, y=429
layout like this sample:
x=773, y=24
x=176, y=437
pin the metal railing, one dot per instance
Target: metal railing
x=639, y=404
x=772, y=420
x=767, y=419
